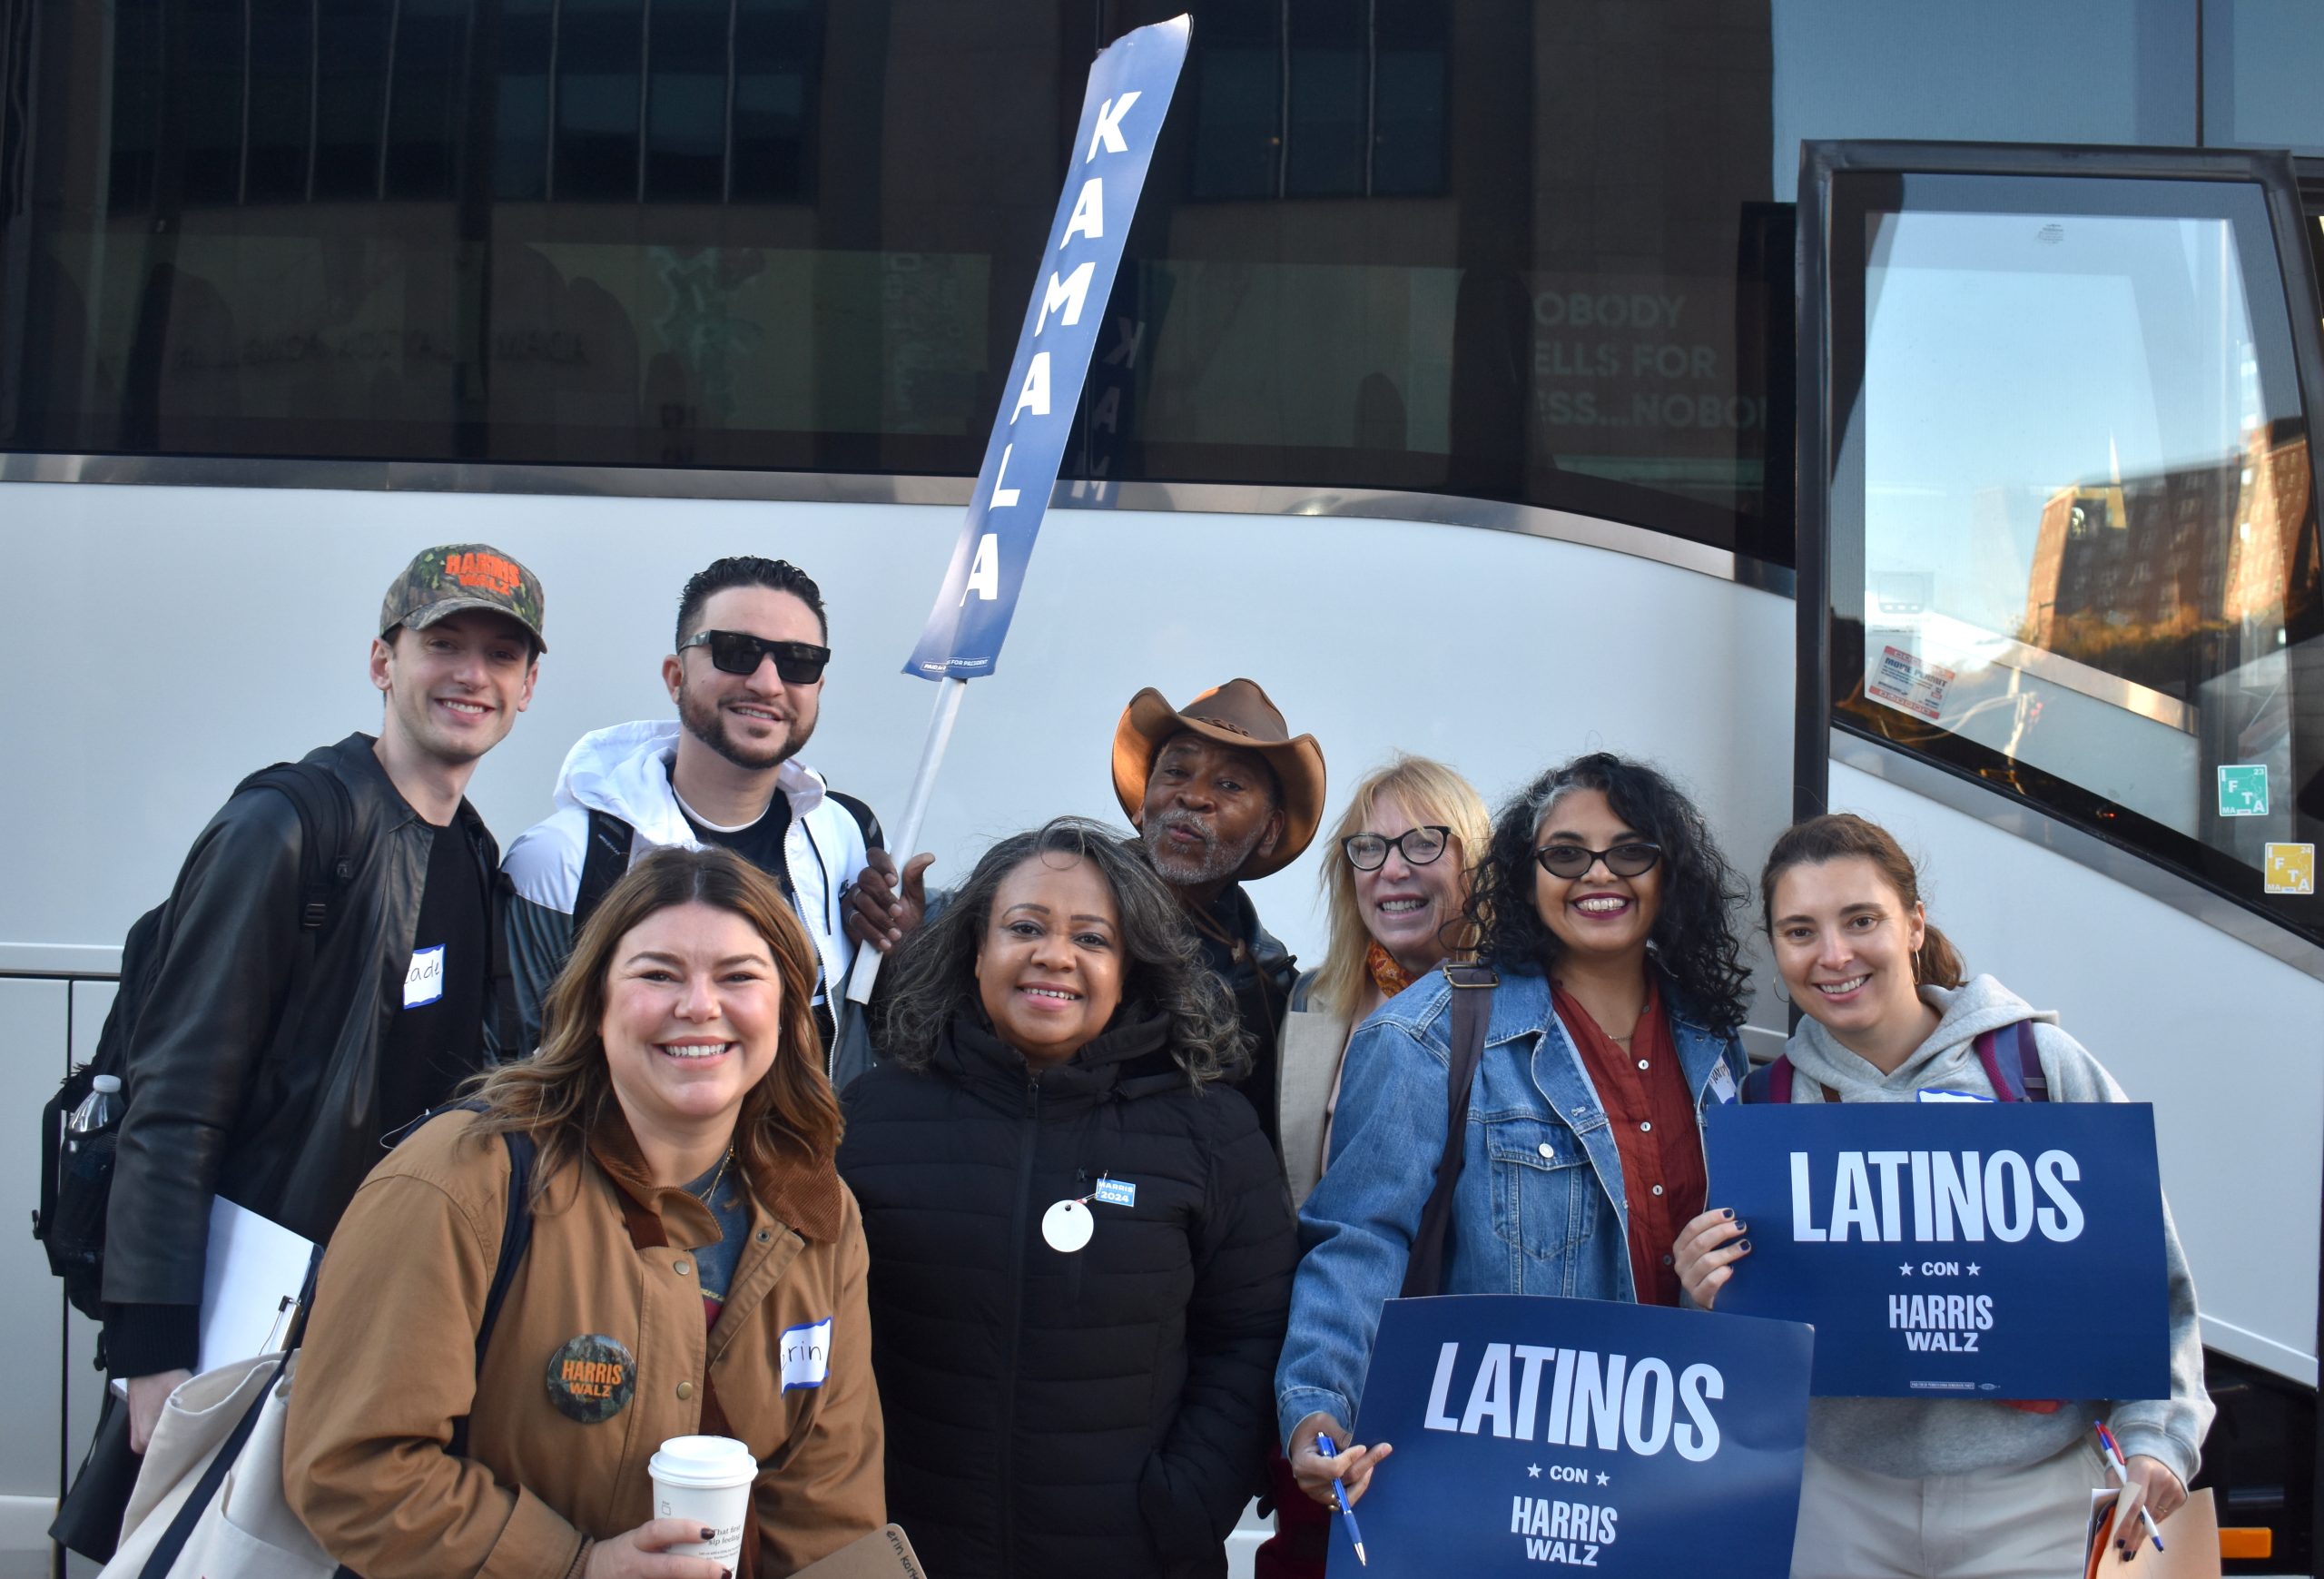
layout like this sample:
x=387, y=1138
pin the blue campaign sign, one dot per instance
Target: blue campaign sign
x=1579, y=1434
x=2000, y=1250
x=1121, y=115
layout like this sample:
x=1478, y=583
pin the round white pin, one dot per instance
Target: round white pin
x=1066, y=1226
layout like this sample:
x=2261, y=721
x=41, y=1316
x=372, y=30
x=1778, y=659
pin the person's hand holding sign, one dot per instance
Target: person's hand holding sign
x=884, y=906
x=1705, y=1254
x=1352, y=1466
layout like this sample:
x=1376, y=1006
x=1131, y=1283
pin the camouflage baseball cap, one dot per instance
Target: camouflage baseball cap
x=458, y=575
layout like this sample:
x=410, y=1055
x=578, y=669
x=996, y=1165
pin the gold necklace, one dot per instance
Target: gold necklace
x=711, y=1188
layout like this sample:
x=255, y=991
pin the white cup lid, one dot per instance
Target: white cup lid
x=704, y=1460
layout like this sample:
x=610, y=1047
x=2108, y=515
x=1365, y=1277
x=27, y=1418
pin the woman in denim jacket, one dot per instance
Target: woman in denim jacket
x=1604, y=906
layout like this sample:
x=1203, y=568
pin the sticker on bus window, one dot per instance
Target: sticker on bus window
x=2243, y=790
x=1902, y=681
x=2290, y=869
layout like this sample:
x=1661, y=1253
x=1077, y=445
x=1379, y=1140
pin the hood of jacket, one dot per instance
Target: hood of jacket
x=624, y=769
x=1947, y=1058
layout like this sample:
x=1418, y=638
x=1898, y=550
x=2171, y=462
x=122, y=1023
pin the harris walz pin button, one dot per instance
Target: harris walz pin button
x=591, y=1379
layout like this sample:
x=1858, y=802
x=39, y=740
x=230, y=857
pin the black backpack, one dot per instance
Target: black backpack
x=76, y=1173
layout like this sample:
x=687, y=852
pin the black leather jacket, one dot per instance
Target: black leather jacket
x=232, y=1091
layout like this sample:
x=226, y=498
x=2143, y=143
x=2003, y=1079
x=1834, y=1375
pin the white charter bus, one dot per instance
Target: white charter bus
x=1489, y=382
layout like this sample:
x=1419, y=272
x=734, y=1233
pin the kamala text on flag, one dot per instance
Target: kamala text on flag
x=1121, y=115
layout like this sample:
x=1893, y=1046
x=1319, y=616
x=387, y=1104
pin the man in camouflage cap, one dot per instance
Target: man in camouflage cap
x=326, y=969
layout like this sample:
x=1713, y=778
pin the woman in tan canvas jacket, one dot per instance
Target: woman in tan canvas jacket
x=695, y=1267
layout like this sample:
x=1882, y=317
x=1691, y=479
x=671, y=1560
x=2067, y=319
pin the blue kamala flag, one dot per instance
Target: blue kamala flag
x=1536, y=1434
x=1954, y=1249
x=1121, y=115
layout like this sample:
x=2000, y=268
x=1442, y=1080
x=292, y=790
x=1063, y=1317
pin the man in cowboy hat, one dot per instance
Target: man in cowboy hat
x=1221, y=795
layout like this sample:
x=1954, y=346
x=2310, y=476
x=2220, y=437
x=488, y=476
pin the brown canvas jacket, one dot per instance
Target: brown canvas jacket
x=389, y=1365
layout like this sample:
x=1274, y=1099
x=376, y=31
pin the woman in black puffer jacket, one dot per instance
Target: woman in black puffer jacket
x=1081, y=1243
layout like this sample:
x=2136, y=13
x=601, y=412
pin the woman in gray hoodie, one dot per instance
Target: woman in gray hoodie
x=1956, y=1488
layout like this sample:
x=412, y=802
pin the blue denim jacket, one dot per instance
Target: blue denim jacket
x=1539, y=1210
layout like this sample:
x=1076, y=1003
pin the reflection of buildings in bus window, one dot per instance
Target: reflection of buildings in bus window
x=2166, y=579
x=1523, y=252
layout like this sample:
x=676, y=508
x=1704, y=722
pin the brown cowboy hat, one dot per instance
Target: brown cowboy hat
x=1236, y=714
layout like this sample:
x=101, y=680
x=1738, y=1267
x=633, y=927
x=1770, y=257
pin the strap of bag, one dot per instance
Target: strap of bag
x=325, y=814
x=1472, y=988
x=1770, y=1082
x=603, y=858
x=2017, y=1079
x=515, y=1238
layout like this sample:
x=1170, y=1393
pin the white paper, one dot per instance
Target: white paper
x=250, y=1286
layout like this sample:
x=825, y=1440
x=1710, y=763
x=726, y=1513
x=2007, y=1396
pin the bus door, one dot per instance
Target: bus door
x=2060, y=628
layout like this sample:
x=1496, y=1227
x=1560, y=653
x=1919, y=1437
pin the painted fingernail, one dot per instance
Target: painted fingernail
x=1727, y=1213
x=710, y=1535
x=1744, y=1246
x=1742, y=1227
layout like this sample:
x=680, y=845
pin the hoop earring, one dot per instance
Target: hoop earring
x=1781, y=996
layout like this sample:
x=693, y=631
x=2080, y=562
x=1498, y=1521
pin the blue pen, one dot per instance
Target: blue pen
x=1339, y=1491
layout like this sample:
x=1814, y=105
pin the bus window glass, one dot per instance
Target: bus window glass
x=2084, y=556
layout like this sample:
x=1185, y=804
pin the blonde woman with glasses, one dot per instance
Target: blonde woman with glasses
x=1394, y=882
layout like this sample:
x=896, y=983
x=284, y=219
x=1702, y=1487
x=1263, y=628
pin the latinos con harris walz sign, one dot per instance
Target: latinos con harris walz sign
x=1539, y=1435
x=1954, y=1249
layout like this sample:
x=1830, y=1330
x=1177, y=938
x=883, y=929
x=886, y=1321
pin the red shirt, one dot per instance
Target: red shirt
x=1654, y=1116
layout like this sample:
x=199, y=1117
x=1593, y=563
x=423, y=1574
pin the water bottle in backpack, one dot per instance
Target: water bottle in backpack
x=99, y=1111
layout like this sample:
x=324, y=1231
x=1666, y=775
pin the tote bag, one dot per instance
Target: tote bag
x=209, y=1500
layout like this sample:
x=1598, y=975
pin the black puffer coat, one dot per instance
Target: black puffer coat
x=1055, y=1416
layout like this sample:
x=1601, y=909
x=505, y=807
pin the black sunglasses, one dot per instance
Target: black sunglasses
x=734, y=652
x=1419, y=847
x=1629, y=858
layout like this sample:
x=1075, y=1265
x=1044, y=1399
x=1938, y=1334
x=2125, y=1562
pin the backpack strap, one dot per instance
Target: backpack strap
x=326, y=813
x=866, y=822
x=2017, y=1078
x=1769, y=1082
x=605, y=856
x=515, y=1238
x=1472, y=988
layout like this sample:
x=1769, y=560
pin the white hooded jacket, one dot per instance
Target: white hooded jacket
x=624, y=771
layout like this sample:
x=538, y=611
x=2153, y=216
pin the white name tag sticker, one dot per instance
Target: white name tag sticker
x=1939, y=1094
x=1722, y=1082
x=424, y=982
x=806, y=1353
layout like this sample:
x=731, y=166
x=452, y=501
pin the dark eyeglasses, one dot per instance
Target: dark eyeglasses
x=734, y=652
x=1419, y=847
x=1625, y=860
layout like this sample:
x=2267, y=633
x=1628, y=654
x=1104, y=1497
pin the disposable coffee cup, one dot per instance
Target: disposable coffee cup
x=706, y=1480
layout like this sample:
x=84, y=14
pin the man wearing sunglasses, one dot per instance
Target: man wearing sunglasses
x=746, y=675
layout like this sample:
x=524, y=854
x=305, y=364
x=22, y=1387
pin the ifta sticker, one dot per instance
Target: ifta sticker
x=2290, y=869
x=2243, y=790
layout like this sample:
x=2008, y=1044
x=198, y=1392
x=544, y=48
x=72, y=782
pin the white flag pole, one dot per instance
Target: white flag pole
x=949, y=692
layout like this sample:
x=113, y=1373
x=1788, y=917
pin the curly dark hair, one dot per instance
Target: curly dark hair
x=1693, y=938
x=932, y=976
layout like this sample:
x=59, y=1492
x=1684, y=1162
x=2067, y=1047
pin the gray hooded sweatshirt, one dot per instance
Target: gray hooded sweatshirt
x=1913, y=1437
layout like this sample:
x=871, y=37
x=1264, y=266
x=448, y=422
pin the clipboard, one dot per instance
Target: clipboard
x=884, y=1554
